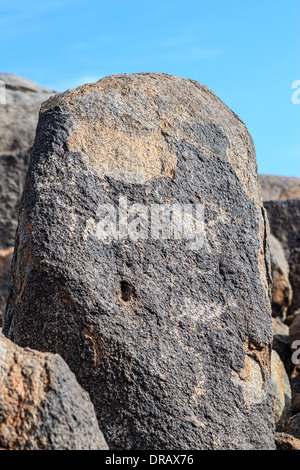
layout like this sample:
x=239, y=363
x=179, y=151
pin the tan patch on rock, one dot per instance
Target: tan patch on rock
x=24, y=384
x=130, y=158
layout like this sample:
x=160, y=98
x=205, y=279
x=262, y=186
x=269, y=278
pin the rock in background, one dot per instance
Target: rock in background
x=42, y=407
x=282, y=293
x=172, y=344
x=281, y=344
x=281, y=196
x=18, y=120
x=291, y=426
x=281, y=388
x=5, y=263
x=276, y=188
x=284, y=219
x=282, y=201
x=286, y=442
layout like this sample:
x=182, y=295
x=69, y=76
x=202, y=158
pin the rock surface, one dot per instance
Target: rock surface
x=172, y=340
x=42, y=407
x=282, y=293
x=281, y=389
x=281, y=344
x=280, y=328
x=291, y=426
x=284, y=219
x=5, y=263
x=294, y=332
x=18, y=120
x=295, y=384
x=286, y=442
x=275, y=188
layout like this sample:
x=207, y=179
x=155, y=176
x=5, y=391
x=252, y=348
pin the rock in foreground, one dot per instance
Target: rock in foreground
x=170, y=336
x=42, y=407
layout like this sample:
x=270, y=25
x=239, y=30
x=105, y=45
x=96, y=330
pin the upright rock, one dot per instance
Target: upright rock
x=42, y=407
x=170, y=336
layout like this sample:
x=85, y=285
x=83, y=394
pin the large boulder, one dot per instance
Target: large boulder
x=42, y=407
x=284, y=219
x=19, y=109
x=276, y=188
x=169, y=331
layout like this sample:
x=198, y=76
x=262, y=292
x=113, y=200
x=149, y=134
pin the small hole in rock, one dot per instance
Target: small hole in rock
x=126, y=291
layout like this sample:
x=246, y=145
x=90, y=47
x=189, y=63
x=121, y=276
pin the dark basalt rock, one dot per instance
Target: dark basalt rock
x=173, y=344
x=19, y=112
x=284, y=219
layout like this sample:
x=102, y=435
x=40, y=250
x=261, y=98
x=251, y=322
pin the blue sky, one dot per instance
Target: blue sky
x=246, y=51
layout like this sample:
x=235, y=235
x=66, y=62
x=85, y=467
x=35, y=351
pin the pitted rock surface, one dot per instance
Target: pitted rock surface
x=172, y=343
